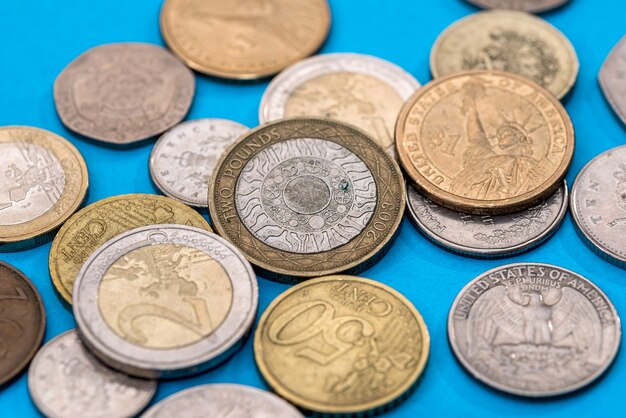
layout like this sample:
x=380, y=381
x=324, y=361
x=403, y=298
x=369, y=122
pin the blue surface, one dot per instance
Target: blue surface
x=40, y=37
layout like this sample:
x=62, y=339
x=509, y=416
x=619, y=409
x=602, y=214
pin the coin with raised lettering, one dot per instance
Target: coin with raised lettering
x=612, y=79
x=509, y=41
x=533, y=329
x=165, y=301
x=485, y=142
x=183, y=159
x=95, y=224
x=44, y=181
x=307, y=197
x=533, y=6
x=244, y=40
x=65, y=380
x=362, y=90
x=124, y=92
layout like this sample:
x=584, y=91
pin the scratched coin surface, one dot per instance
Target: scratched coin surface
x=65, y=380
x=223, y=401
x=183, y=159
x=165, y=301
x=612, y=79
x=533, y=6
x=510, y=41
x=485, y=142
x=44, y=181
x=341, y=345
x=22, y=321
x=244, y=40
x=361, y=90
x=533, y=329
x=486, y=235
x=307, y=197
x=124, y=92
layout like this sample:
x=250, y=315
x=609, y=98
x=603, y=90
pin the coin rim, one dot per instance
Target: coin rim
x=552, y=6
x=620, y=111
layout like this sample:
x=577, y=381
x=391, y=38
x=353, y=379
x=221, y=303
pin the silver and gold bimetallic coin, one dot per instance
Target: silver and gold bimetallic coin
x=307, y=197
x=165, y=301
x=612, y=79
x=362, y=90
x=532, y=6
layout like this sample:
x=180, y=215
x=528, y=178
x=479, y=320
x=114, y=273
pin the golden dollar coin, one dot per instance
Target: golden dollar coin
x=485, y=142
x=95, y=224
x=244, y=40
x=341, y=345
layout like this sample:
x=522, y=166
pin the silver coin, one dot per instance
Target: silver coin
x=599, y=204
x=223, y=401
x=182, y=160
x=484, y=235
x=65, y=380
x=534, y=6
x=534, y=329
x=612, y=78
x=165, y=301
x=361, y=90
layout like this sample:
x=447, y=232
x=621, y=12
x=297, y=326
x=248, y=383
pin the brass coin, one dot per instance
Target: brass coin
x=510, y=41
x=95, y=224
x=307, y=197
x=341, y=345
x=44, y=180
x=244, y=40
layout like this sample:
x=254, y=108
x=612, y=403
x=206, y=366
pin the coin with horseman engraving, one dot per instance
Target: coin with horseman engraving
x=244, y=40
x=124, y=92
x=44, y=181
x=165, y=301
x=223, y=401
x=485, y=235
x=612, y=79
x=534, y=329
x=509, y=41
x=362, y=90
x=183, y=159
x=341, y=345
x=307, y=197
x=65, y=380
x=95, y=224
x=485, y=142
x=533, y=6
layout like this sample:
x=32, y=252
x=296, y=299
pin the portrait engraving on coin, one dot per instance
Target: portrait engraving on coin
x=612, y=78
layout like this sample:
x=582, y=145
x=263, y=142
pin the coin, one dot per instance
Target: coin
x=533, y=329
x=223, y=401
x=510, y=41
x=183, y=159
x=123, y=93
x=244, y=40
x=92, y=226
x=65, y=380
x=165, y=301
x=341, y=345
x=485, y=142
x=307, y=197
x=534, y=6
x=613, y=79
x=22, y=321
x=485, y=235
x=365, y=91
x=44, y=181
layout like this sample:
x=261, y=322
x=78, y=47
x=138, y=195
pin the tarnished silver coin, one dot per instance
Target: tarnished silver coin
x=223, y=401
x=165, y=301
x=65, y=380
x=534, y=329
x=182, y=160
x=484, y=235
x=533, y=6
x=612, y=78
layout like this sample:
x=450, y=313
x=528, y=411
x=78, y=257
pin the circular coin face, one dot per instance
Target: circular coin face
x=485, y=142
x=341, y=344
x=362, y=90
x=534, y=6
x=183, y=159
x=306, y=197
x=165, y=301
x=22, y=321
x=244, y=40
x=97, y=223
x=44, y=181
x=612, y=79
x=509, y=41
x=123, y=93
x=533, y=329
x=65, y=380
